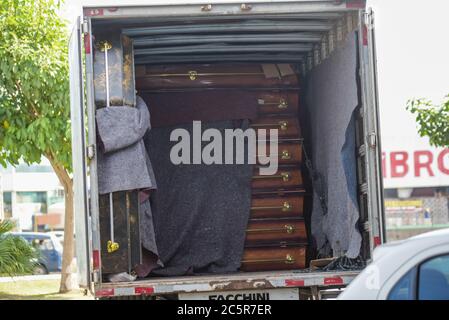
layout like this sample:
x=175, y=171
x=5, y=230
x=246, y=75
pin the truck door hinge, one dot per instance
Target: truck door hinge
x=90, y=151
x=372, y=140
x=95, y=276
x=369, y=19
x=84, y=26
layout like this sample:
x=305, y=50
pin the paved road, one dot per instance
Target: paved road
x=52, y=276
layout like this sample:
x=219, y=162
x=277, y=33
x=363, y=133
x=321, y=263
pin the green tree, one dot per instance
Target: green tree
x=34, y=97
x=433, y=120
x=16, y=255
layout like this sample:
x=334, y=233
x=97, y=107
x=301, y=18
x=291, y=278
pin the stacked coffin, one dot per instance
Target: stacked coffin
x=267, y=94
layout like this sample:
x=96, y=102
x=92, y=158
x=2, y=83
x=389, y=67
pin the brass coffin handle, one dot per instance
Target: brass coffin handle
x=282, y=104
x=286, y=206
x=283, y=125
x=104, y=45
x=285, y=176
x=288, y=228
x=193, y=75
x=287, y=260
x=112, y=246
x=285, y=155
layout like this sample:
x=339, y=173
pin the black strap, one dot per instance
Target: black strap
x=319, y=187
x=345, y=263
x=318, y=183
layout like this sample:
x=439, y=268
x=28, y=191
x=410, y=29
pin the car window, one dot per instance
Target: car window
x=57, y=243
x=434, y=279
x=404, y=289
x=43, y=244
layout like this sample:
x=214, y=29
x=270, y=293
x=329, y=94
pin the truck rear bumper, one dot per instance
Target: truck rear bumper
x=238, y=281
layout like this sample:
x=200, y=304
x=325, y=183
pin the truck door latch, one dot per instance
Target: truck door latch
x=84, y=26
x=372, y=140
x=90, y=151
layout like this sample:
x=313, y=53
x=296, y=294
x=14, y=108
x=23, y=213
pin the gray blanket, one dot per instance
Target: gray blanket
x=200, y=211
x=123, y=161
x=332, y=98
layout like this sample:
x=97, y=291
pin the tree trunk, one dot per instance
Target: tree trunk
x=69, y=245
x=68, y=248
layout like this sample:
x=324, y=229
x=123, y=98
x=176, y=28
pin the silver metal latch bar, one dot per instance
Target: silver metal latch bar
x=111, y=245
x=90, y=151
x=372, y=140
x=84, y=26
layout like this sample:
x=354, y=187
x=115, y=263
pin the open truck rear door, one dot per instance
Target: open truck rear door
x=81, y=210
x=372, y=147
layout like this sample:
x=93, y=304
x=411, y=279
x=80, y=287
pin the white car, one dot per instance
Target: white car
x=412, y=269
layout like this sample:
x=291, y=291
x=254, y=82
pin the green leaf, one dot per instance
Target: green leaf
x=34, y=84
x=432, y=120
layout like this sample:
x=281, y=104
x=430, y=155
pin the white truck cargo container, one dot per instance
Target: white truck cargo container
x=326, y=27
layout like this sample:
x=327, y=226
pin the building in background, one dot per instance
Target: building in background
x=416, y=179
x=32, y=197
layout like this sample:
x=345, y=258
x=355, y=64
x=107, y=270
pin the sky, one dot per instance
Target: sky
x=412, y=39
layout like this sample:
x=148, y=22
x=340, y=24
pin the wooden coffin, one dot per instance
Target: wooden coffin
x=172, y=108
x=278, y=102
x=277, y=207
x=285, y=177
x=287, y=153
x=280, y=192
x=287, y=257
x=126, y=232
x=275, y=231
x=120, y=68
x=287, y=126
x=224, y=75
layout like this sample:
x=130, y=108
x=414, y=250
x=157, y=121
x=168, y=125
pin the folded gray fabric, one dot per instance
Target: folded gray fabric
x=122, y=126
x=123, y=162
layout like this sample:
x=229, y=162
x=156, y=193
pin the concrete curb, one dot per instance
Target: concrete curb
x=55, y=276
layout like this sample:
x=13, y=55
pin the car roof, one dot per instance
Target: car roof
x=55, y=232
x=418, y=242
x=32, y=234
x=421, y=241
x=441, y=233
